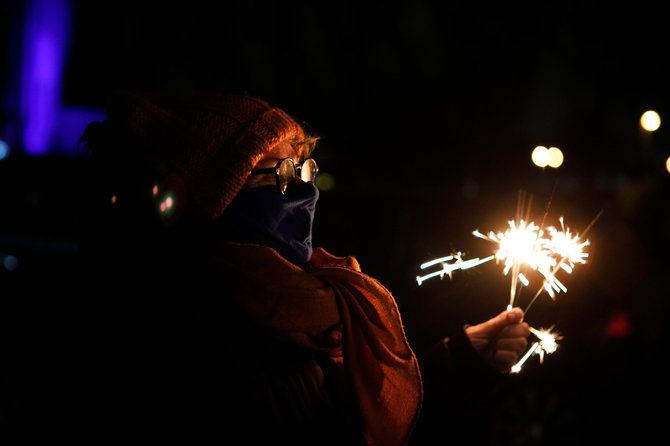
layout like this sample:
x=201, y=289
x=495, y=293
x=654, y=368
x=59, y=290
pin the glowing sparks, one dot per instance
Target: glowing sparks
x=546, y=343
x=527, y=252
x=569, y=248
x=449, y=268
x=523, y=246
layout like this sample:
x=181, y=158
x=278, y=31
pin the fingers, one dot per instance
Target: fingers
x=519, y=330
x=502, y=320
x=515, y=345
x=514, y=316
x=511, y=345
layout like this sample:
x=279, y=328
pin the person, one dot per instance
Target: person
x=211, y=315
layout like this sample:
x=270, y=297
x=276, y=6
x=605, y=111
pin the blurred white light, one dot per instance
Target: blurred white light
x=650, y=121
x=540, y=156
x=667, y=164
x=555, y=157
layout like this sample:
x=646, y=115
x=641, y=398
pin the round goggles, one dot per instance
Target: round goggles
x=287, y=172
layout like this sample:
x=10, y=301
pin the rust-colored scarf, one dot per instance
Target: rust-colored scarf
x=333, y=307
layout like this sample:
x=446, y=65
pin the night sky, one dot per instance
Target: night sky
x=427, y=113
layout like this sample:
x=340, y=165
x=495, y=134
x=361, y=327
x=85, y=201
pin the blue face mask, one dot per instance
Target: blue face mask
x=263, y=216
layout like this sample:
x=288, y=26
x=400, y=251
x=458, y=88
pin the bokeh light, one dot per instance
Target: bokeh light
x=167, y=204
x=540, y=156
x=650, y=121
x=10, y=263
x=667, y=164
x=325, y=181
x=4, y=149
x=555, y=157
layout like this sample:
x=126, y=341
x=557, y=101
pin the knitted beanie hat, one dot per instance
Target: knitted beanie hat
x=210, y=143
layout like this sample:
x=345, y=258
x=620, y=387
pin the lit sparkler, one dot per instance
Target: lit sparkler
x=546, y=343
x=568, y=250
x=521, y=247
x=525, y=246
x=449, y=268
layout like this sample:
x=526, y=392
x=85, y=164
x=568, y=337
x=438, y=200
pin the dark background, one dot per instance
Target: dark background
x=428, y=113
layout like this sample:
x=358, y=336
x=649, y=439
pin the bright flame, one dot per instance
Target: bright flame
x=540, y=156
x=650, y=121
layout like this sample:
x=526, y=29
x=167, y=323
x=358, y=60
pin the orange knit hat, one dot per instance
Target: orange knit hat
x=210, y=143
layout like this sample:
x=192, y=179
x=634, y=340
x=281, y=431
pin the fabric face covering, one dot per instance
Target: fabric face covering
x=263, y=216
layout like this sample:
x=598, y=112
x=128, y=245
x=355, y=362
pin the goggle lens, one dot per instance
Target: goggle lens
x=287, y=170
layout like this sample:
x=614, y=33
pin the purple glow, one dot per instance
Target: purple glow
x=46, y=34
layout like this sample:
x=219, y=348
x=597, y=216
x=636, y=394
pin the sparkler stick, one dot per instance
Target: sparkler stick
x=516, y=368
x=546, y=344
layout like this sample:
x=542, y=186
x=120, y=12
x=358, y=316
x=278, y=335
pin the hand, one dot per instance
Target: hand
x=504, y=336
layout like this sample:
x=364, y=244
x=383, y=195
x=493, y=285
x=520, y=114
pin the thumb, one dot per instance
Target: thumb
x=505, y=318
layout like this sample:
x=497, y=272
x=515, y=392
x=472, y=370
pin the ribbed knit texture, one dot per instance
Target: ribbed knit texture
x=210, y=143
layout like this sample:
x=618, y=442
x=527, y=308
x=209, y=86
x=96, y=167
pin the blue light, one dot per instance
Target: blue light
x=10, y=263
x=4, y=149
